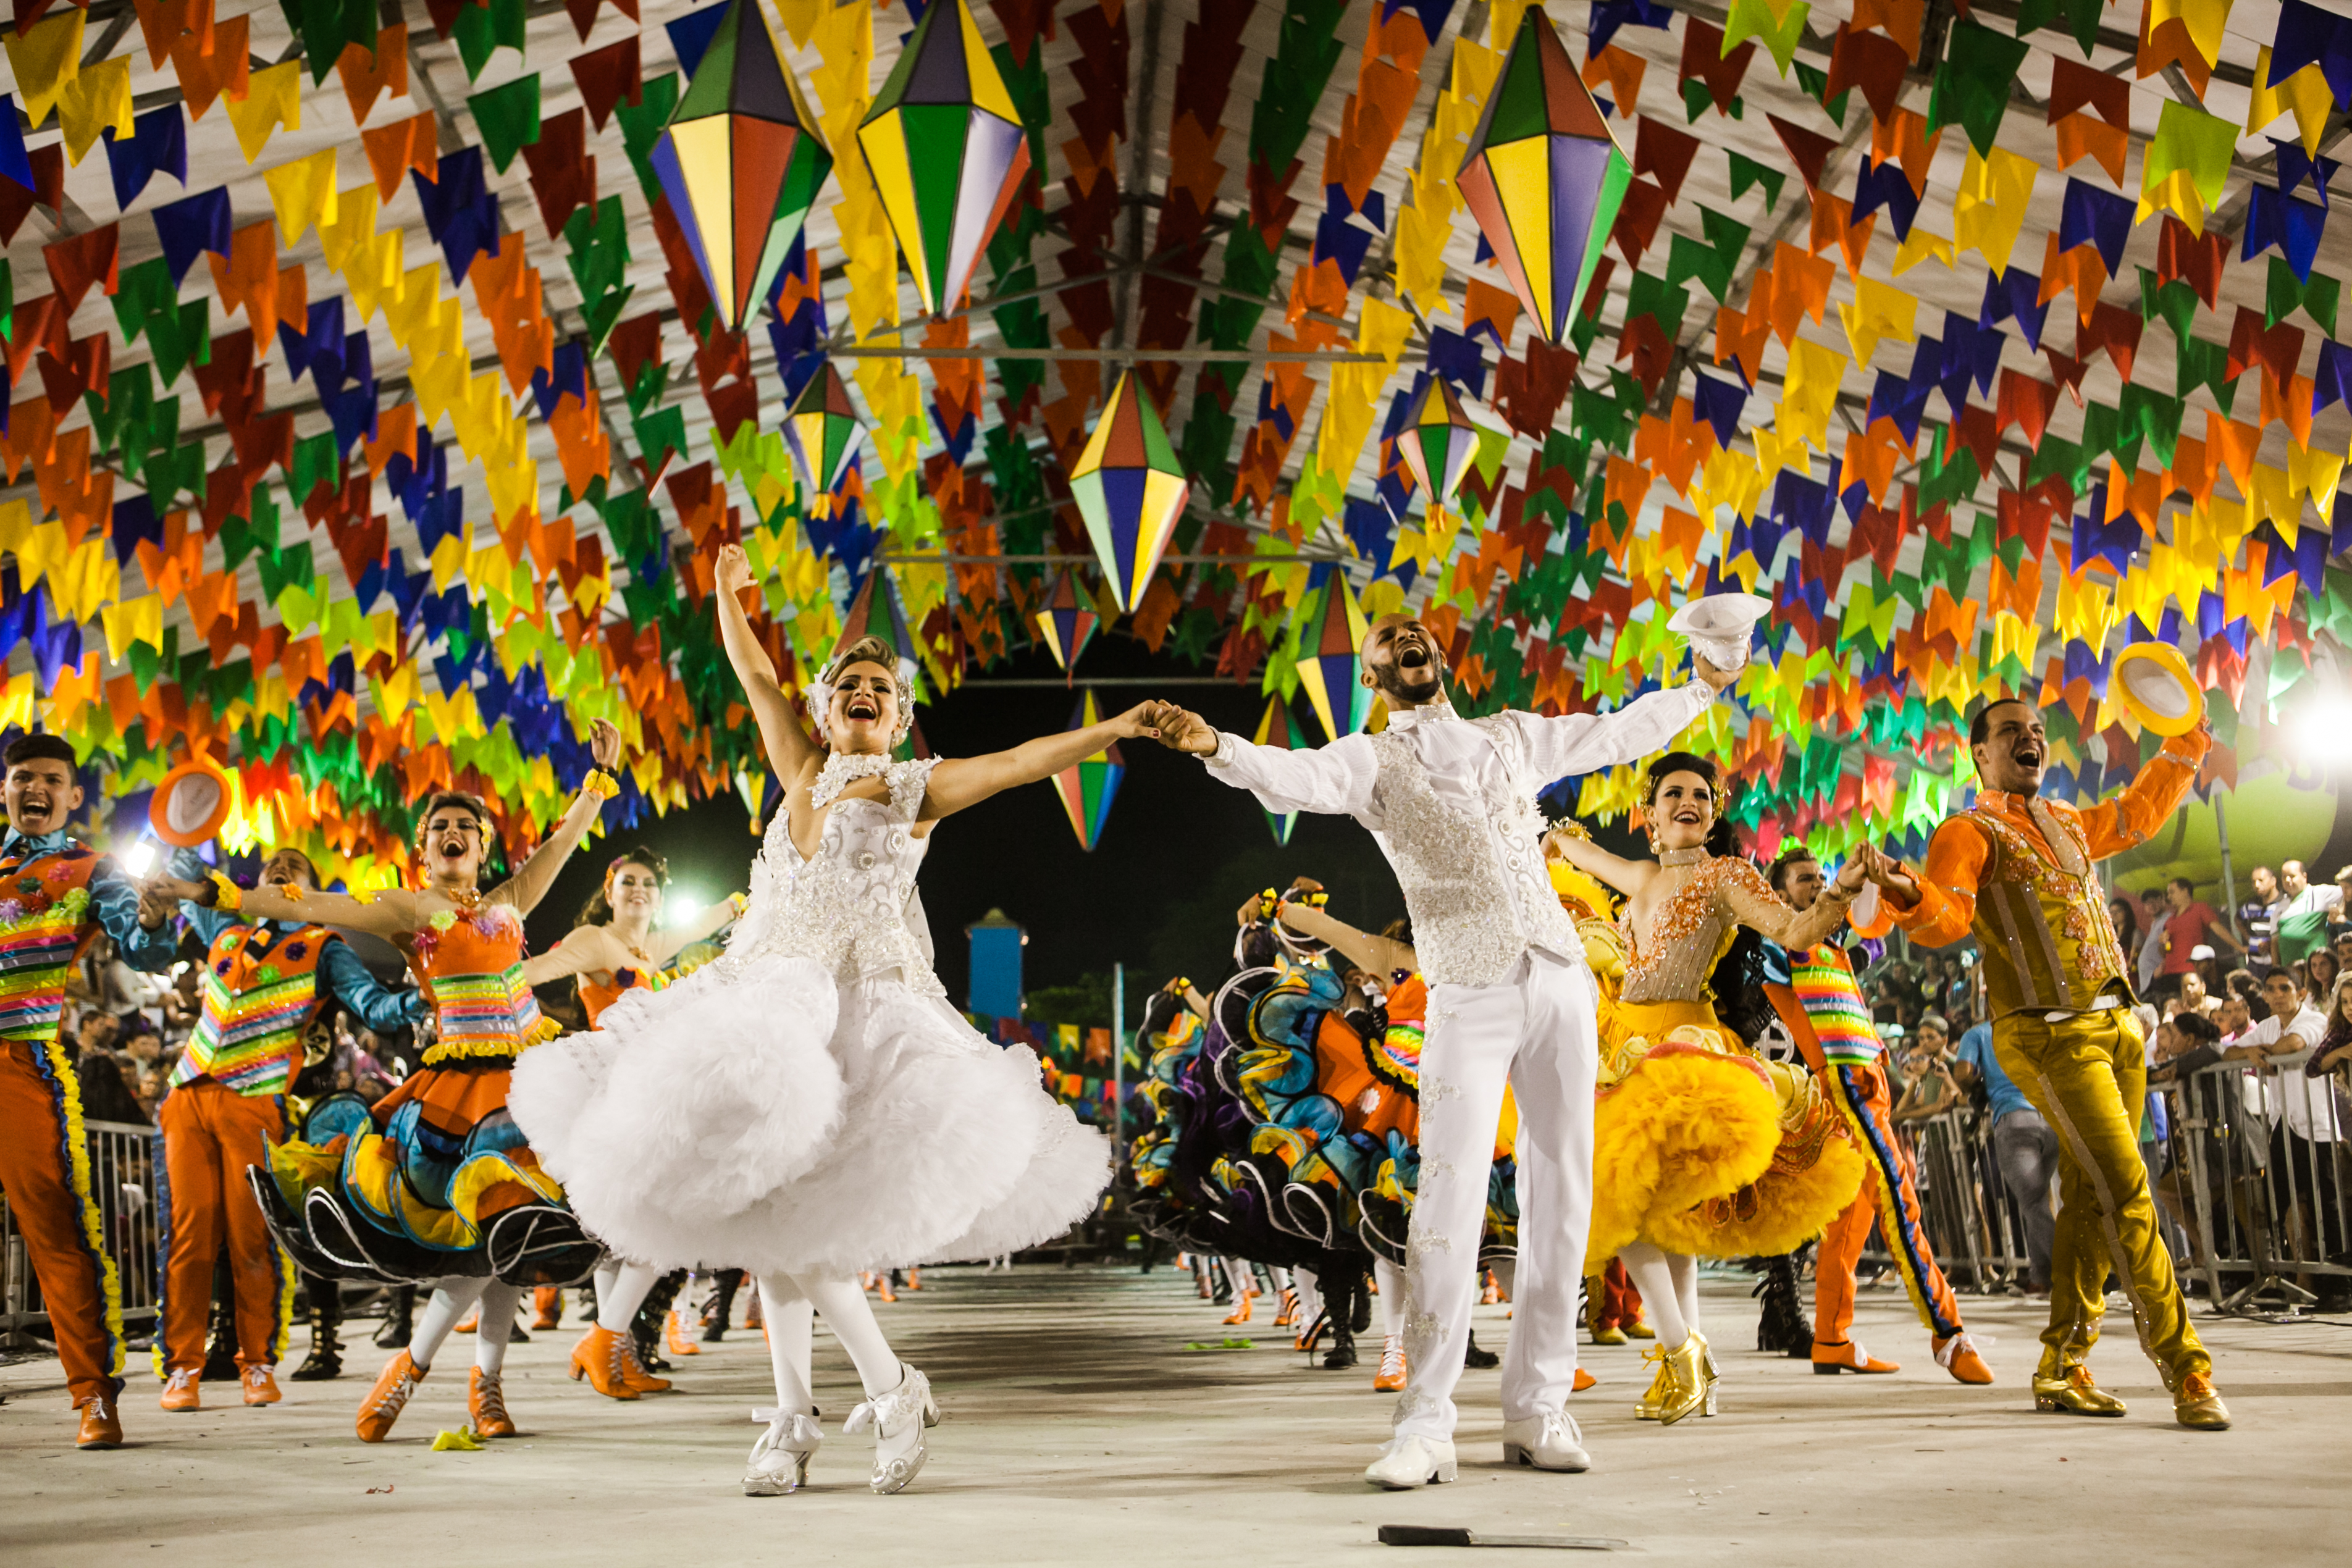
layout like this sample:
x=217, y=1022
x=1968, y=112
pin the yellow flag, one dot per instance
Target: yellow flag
x=98, y=100
x=1879, y=310
x=2306, y=95
x=1918, y=247
x=304, y=194
x=45, y=60
x=273, y=98
x=1989, y=209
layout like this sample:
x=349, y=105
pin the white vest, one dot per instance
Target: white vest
x=1476, y=885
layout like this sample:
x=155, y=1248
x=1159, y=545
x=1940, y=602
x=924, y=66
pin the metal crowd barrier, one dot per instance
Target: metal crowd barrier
x=122, y=1177
x=2257, y=1174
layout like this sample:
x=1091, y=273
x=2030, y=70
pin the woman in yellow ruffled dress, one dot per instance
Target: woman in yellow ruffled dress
x=1701, y=1148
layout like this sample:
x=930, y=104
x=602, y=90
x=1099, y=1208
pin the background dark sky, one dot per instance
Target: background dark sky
x=1178, y=853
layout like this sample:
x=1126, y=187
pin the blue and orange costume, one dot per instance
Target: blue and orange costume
x=436, y=1179
x=265, y=985
x=57, y=895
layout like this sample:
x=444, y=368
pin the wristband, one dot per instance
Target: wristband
x=226, y=895
x=600, y=784
x=739, y=902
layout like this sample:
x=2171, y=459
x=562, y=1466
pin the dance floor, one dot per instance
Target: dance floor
x=1080, y=1428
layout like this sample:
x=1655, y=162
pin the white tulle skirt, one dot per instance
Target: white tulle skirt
x=760, y=1116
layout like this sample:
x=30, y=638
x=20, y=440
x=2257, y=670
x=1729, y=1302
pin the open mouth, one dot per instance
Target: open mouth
x=862, y=709
x=35, y=805
x=2028, y=756
x=1413, y=654
x=1686, y=817
x=453, y=847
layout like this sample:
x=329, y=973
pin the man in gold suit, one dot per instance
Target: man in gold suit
x=2017, y=871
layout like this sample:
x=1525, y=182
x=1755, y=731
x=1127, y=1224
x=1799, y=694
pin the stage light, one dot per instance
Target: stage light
x=137, y=859
x=681, y=906
x=2325, y=728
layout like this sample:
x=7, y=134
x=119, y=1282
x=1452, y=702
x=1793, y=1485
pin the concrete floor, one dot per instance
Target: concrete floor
x=1079, y=1430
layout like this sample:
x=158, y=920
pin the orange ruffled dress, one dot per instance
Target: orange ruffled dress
x=1701, y=1147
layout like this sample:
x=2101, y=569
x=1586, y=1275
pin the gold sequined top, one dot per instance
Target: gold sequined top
x=1694, y=927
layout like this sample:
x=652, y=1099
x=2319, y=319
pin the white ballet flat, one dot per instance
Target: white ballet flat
x=1546, y=1442
x=780, y=1459
x=1408, y=1462
x=897, y=1419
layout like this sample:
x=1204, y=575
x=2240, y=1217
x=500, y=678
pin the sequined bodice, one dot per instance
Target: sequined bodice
x=1687, y=935
x=846, y=906
x=1476, y=885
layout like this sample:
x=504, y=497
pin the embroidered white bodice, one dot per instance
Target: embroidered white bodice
x=848, y=906
x=1475, y=882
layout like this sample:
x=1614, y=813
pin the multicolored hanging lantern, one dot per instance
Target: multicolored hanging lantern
x=1330, y=663
x=1276, y=730
x=1088, y=787
x=740, y=162
x=1130, y=489
x=1438, y=441
x=1067, y=624
x=946, y=149
x=1543, y=178
x=823, y=431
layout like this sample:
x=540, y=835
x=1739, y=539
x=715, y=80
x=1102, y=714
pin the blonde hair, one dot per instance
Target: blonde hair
x=817, y=696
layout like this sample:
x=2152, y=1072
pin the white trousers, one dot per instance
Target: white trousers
x=1536, y=1032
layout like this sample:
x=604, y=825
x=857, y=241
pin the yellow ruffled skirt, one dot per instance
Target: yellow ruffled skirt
x=1701, y=1147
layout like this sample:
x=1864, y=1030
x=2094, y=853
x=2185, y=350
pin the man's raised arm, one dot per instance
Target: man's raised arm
x=1588, y=742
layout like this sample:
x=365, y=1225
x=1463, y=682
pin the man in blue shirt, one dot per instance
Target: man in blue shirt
x=2023, y=1146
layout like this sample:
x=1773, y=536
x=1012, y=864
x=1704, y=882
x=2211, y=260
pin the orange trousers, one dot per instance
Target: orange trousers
x=45, y=1172
x=1890, y=1198
x=1615, y=1303
x=210, y=1134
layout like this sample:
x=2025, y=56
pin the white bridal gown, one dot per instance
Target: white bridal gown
x=808, y=1103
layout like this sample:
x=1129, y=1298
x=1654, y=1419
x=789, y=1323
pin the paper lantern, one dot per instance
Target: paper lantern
x=1088, y=787
x=1330, y=663
x=946, y=149
x=1130, y=489
x=1066, y=623
x=1276, y=730
x=1438, y=441
x=740, y=162
x=1543, y=177
x=823, y=431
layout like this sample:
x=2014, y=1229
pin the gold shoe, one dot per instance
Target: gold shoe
x=2196, y=1403
x=1652, y=1397
x=2074, y=1392
x=1708, y=1370
x=1682, y=1373
x=1609, y=1336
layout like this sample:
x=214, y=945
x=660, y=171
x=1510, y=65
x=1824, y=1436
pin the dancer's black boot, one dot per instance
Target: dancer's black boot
x=717, y=1317
x=399, y=1319
x=1348, y=1307
x=1782, y=1327
x=653, y=1315
x=325, y=1357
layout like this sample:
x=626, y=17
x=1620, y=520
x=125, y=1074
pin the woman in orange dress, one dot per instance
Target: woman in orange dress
x=1701, y=1148
x=436, y=1184
x=616, y=949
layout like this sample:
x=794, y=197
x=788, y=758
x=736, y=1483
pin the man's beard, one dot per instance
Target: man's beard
x=1400, y=686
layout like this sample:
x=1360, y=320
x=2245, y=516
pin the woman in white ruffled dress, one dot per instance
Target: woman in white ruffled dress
x=809, y=1106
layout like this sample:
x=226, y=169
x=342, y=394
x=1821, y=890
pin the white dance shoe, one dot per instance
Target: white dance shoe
x=1547, y=1442
x=1408, y=1462
x=897, y=1419
x=780, y=1459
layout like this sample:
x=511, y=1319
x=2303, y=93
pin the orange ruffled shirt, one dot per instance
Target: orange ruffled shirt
x=1957, y=856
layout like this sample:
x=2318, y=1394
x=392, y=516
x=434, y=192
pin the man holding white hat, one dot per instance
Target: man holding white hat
x=1452, y=803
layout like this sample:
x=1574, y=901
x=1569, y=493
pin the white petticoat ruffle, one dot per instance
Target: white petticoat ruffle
x=757, y=1116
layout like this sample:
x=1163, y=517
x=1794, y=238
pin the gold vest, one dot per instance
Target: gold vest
x=2042, y=933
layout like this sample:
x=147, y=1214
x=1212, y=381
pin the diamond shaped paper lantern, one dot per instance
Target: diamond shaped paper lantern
x=946, y=149
x=1130, y=489
x=1067, y=624
x=1276, y=730
x=823, y=431
x=1438, y=441
x=740, y=161
x=1544, y=178
x=1088, y=788
x=1328, y=662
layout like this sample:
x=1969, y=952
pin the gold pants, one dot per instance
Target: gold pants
x=2088, y=1077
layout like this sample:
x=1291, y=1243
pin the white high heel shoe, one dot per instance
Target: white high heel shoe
x=780, y=1459
x=897, y=1419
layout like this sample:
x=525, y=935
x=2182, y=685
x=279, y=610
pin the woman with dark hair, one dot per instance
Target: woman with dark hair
x=613, y=951
x=1701, y=1147
x=434, y=1182
x=809, y=1106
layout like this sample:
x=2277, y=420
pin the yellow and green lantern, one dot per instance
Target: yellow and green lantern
x=1088, y=787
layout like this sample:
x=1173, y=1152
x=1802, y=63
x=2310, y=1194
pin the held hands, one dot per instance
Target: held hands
x=1852, y=875
x=1138, y=723
x=1180, y=729
x=1884, y=870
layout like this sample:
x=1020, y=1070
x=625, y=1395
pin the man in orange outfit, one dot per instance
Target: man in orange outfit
x=1814, y=991
x=57, y=895
x=265, y=986
x=2017, y=871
